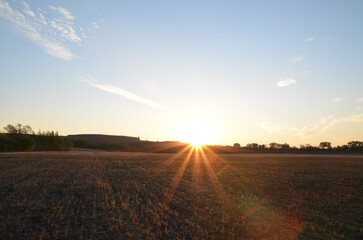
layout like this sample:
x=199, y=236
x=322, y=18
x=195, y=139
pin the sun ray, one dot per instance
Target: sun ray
x=196, y=167
x=177, y=178
x=215, y=182
x=175, y=156
x=170, y=160
x=216, y=155
x=221, y=170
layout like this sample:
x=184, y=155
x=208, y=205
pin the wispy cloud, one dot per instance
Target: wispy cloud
x=310, y=39
x=296, y=59
x=286, y=82
x=314, y=129
x=51, y=30
x=357, y=118
x=27, y=10
x=117, y=90
x=317, y=128
x=270, y=127
x=360, y=100
x=64, y=12
x=339, y=99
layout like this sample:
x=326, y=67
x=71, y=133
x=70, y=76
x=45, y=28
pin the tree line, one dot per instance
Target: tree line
x=352, y=146
x=22, y=138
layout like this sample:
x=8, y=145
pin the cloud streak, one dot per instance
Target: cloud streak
x=317, y=128
x=339, y=99
x=50, y=30
x=118, y=91
x=310, y=39
x=357, y=118
x=286, y=82
x=296, y=59
x=360, y=100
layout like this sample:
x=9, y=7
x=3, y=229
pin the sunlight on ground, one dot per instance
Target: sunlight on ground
x=257, y=216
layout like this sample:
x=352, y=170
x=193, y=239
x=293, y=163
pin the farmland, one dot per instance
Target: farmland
x=193, y=195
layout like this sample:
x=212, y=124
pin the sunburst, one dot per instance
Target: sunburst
x=197, y=133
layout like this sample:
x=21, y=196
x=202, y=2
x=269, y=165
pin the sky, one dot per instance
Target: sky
x=242, y=71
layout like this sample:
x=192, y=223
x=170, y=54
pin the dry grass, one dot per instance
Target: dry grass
x=84, y=195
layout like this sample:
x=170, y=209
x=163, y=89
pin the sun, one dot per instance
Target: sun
x=197, y=133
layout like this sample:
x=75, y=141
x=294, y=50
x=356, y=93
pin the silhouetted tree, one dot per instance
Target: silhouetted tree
x=343, y=148
x=262, y=147
x=325, y=145
x=24, y=143
x=355, y=145
x=252, y=145
x=284, y=146
x=17, y=138
x=22, y=138
x=7, y=143
x=51, y=141
x=18, y=129
x=306, y=146
x=237, y=145
x=274, y=145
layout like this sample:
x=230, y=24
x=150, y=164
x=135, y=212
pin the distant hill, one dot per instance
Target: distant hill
x=135, y=144
x=96, y=139
x=159, y=147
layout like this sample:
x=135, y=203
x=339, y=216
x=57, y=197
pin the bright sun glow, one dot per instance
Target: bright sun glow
x=197, y=133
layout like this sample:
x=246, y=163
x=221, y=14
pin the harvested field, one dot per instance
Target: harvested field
x=101, y=195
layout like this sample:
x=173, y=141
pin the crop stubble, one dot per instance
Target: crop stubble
x=95, y=195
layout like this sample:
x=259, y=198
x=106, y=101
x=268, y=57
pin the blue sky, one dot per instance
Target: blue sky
x=251, y=71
